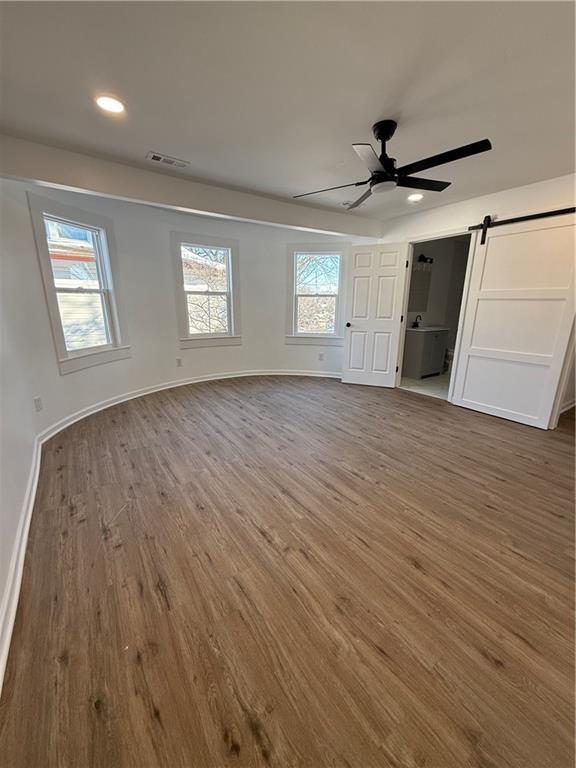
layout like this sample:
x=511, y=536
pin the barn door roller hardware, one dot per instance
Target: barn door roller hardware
x=488, y=222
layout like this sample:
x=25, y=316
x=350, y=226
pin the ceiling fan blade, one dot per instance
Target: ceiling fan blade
x=360, y=200
x=414, y=182
x=445, y=157
x=329, y=189
x=370, y=159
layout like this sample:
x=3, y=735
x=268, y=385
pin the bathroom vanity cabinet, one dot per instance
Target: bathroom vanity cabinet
x=424, y=351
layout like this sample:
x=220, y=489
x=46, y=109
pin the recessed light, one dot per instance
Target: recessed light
x=415, y=198
x=110, y=104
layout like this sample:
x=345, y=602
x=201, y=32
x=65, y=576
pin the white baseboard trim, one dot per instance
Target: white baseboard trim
x=103, y=404
x=16, y=568
x=567, y=406
x=12, y=591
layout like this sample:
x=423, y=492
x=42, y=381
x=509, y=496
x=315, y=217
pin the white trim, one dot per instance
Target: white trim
x=210, y=341
x=188, y=340
x=62, y=169
x=437, y=235
x=447, y=234
x=404, y=314
x=11, y=594
x=456, y=359
x=318, y=340
x=103, y=404
x=78, y=362
x=331, y=247
x=70, y=361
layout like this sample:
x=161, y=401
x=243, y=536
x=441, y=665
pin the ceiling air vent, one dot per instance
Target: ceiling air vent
x=157, y=157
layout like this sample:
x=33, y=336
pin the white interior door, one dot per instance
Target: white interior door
x=375, y=289
x=518, y=320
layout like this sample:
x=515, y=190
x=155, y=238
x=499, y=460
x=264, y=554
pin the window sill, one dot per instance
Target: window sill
x=79, y=362
x=315, y=339
x=211, y=341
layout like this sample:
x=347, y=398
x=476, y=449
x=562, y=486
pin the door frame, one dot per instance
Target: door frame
x=412, y=242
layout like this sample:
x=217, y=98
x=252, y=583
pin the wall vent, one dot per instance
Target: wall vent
x=158, y=157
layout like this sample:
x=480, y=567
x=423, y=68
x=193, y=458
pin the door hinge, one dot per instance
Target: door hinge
x=406, y=263
x=401, y=318
x=396, y=369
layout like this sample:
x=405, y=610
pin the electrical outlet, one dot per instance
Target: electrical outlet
x=178, y=362
x=321, y=356
x=38, y=404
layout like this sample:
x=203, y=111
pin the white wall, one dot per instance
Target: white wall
x=446, y=282
x=144, y=284
x=442, y=251
x=543, y=196
x=28, y=364
x=30, y=161
x=549, y=195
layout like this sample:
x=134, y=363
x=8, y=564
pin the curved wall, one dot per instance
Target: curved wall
x=144, y=285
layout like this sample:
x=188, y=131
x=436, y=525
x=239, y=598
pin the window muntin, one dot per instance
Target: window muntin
x=80, y=272
x=316, y=290
x=206, y=279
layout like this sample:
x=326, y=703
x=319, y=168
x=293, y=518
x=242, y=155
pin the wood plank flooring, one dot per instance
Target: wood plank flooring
x=289, y=572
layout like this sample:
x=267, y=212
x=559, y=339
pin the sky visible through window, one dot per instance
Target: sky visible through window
x=73, y=258
x=316, y=280
x=317, y=273
x=206, y=282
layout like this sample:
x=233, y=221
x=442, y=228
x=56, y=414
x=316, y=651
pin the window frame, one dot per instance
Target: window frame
x=70, y=361
x=189, y=340
x=293, y=336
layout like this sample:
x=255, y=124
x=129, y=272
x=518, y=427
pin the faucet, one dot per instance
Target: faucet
x=416, y=323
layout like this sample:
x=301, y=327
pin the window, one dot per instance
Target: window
x=207, y=296
x=73, y=248
x=81, y=286
x=206, y=273
x=316, y=280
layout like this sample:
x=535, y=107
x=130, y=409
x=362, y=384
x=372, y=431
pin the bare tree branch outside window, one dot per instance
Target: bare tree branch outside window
x=206, y=274
x=316, y=292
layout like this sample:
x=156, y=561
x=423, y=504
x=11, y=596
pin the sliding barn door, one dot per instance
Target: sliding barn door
x=518, y=319
x=376, y=275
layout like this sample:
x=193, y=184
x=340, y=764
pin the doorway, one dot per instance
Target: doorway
x=437, y=277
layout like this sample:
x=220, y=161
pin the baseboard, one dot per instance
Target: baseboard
x=12, y=590
x=103, y=404
x=16, y=568
x=567, y=406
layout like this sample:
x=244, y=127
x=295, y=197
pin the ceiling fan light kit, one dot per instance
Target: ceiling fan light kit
x=382, y=186
x=385, y=176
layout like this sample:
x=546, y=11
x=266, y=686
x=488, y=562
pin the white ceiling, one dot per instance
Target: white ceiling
x=268, y=97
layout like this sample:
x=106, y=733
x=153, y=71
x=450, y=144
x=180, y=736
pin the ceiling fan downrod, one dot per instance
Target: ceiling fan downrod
x=383, y=131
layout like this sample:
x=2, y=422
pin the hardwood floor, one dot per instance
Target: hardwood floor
x=286, y=572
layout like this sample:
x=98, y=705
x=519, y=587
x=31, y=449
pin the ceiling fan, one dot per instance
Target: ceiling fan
x=385, y=175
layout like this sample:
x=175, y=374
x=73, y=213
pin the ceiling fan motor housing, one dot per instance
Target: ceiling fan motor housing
x=384, y=130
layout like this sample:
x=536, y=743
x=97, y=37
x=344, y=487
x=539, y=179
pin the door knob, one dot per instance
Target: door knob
x=348, y=325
